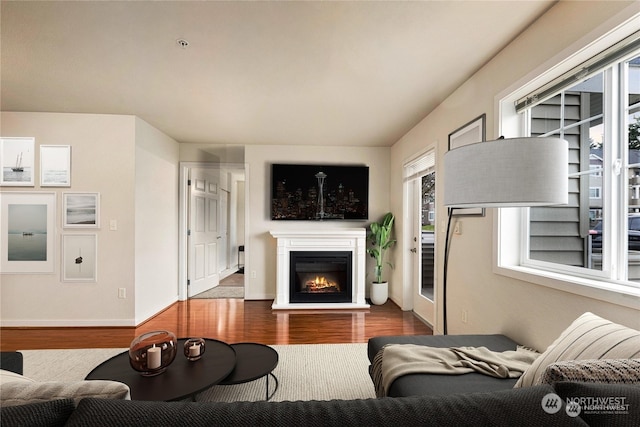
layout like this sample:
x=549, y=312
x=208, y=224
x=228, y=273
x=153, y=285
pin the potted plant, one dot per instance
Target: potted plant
x=380, y=238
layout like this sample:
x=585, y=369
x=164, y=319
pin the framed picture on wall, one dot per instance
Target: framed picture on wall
x=471, y=133
x=55, y=166
x=79, y=257
x=28, y=232
x=81, y=210
x=17, y=160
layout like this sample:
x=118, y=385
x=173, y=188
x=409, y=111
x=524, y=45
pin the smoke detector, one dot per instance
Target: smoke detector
x=183, y=43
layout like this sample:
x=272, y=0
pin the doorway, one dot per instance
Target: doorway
x=420, y=227
x=212, y=230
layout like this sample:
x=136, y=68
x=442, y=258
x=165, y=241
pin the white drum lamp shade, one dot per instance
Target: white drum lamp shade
x=515, y=172
x=507, y=173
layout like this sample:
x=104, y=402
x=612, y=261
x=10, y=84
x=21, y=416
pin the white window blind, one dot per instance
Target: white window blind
x=420, y=166
x=596, y=64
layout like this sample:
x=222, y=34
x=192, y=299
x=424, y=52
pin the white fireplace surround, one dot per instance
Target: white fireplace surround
x=336, y=239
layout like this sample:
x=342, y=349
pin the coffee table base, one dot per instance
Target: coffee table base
x=269, y=396
x=253, y=361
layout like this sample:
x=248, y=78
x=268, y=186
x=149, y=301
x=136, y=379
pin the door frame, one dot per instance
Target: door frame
x=424, y=308
x=183, y=217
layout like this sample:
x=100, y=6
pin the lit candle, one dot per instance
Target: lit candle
x=194, y=350
x=154, y=357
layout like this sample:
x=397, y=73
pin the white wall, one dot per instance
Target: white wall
x=134, y=168
x=156, y=216
x=528, y=313
x=261, y=246
x=103, y=161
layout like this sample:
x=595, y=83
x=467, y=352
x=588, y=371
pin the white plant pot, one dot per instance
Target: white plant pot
x=379, y=292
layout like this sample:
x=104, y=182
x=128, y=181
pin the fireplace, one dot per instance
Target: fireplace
x=305, y=256
x=320, y=276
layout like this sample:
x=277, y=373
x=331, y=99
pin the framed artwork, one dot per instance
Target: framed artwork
x=16, y=160
x=28, y=232
x=79, y=257
x=470, y=133
x=81, y=210
x=55, y=166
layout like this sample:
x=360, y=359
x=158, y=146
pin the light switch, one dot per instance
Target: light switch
x=113, y=225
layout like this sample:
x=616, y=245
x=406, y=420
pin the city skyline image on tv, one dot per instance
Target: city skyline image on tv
x=319, y=192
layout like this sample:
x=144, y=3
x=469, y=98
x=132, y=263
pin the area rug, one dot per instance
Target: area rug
x=222, y=292
x=304, y=372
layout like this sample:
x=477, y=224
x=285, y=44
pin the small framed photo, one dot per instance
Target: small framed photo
x=55, y=166
x=79, y=257
x=27, y=221
x=81, y=210
x=16, y=160
x=470, y=133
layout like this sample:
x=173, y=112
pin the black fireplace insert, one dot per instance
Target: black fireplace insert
x=320, y=276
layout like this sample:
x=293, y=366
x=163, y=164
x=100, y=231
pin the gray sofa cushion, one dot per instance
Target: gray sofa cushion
x=42, y=414
x=505, y=408
x=438, y=385
x=11, y=361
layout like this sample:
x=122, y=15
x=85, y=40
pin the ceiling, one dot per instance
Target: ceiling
x=270, y=72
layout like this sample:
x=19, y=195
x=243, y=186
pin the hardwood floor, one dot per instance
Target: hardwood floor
x=232, y=320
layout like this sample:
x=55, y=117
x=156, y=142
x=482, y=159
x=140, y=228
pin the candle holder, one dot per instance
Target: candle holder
x=151, y=353
x=194, y=348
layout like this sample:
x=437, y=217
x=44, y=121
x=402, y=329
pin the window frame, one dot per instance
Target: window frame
x=512, y=225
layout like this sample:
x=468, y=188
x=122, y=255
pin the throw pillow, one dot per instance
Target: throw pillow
x=19, y=393
x=610, y=371
x=9, y=377
x=588, y=337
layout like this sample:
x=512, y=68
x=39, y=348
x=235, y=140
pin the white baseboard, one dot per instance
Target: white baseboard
x=258, y=297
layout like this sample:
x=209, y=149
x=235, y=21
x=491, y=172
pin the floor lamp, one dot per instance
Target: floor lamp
x=515, y=172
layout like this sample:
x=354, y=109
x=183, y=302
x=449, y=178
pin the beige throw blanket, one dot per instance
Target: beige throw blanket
x=403, y=359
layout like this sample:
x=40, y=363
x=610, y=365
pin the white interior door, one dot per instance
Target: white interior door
x=223, y=233
x=203, y=245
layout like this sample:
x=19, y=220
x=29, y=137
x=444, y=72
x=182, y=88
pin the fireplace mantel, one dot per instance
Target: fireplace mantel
x=335, y=239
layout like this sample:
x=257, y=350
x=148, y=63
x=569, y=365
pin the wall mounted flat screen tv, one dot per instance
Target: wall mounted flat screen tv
x=319, y=192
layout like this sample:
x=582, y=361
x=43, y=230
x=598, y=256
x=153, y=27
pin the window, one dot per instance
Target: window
x=596, y=236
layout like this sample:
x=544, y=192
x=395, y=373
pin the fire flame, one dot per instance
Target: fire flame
x=321, y=283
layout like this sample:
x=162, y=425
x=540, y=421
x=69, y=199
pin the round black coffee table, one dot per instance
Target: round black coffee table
x=253, y=361
x=181, y=380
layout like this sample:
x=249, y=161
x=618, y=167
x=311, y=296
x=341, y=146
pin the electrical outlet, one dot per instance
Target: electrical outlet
x=113, y=224
x=465, y=316
x=253, y=274
x=122, y=293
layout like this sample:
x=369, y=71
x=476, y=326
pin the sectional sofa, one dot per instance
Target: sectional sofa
x=589, y=376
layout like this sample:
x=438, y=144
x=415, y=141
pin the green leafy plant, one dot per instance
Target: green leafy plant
x=380, y=238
